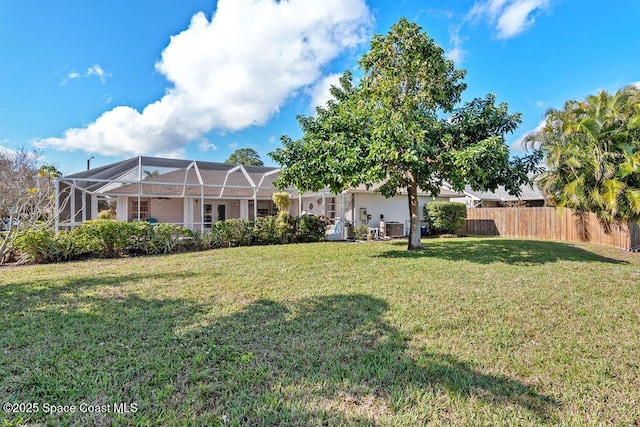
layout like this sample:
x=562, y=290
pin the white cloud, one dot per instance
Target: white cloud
x=321, y=92
x=510, y=17
x=205, y=145
x=5, y=150
x=456, y=53
x=636, y=84
x=180, y=153
x=99, y=72
x=95, y=70
x=228, y=73
x=72, y=75
x=518, y=145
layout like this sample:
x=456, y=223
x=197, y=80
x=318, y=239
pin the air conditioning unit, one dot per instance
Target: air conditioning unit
x=394, y=229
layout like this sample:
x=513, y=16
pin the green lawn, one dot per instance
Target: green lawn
x=467, y=331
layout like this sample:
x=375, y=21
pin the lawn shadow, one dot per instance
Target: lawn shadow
x=75, y=348
x=23, y=295
x=334, y=360
x=330, y=360
x=491, y=250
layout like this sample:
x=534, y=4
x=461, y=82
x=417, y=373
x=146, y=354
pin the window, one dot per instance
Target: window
x=331, y=207
x=144, y=209
x=208, y=217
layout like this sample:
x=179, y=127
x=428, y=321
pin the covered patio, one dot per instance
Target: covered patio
x=189, y=193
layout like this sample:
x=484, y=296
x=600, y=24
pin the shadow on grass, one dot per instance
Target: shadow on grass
x=335, y=359
x=330, y=360
x=488, y=251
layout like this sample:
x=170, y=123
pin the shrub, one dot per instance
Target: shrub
x=361, y=232
x=445, y=217
x=64, y=247
x=32, y=245
x=110, y=238
x=104, y=237
x=310, y=228
x=232, y=232
x=141, y=238
x=106, y=214
x=265, y=231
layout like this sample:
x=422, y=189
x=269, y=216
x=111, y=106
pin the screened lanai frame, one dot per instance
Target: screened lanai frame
x=127, y=178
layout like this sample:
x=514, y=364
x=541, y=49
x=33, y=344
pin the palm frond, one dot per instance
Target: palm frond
x=581, y=221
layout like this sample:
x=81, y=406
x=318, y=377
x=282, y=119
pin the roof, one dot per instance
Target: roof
x=444, y=192
x=178, y=178
x=528, y=192
x=161, y=177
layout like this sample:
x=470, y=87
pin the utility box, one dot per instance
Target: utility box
x=394, y=229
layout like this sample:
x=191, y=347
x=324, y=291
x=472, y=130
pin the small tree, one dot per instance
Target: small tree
x=283, y=202
x=390, y=129
x=245, y=156
x=27, y=196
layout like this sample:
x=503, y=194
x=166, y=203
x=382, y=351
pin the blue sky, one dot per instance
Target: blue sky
x=197, y=79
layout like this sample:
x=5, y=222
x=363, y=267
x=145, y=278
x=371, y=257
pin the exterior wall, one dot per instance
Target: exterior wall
x=232, y=209
x=394, y=209
x=166, y=210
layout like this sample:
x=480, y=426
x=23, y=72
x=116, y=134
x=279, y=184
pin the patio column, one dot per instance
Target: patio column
x=83, y=206
x=255, y=204
x=73, y=206
x=94, y=207
x=187, y=212
x=122, y=208
x=244, y=209
x=57, y=208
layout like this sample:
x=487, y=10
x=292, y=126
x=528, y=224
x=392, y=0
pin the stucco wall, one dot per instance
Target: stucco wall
x=394, y=209
x=166, y=210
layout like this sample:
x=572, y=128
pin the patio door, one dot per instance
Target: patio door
x=222, y=212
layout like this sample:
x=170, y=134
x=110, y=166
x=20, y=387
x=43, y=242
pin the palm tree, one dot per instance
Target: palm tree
x=592, y=150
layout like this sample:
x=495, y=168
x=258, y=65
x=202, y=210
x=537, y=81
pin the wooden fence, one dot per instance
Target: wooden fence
x=549, y=224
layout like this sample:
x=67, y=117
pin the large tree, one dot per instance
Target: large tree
x=398, y=126
x=592, y=150
x=245, y=156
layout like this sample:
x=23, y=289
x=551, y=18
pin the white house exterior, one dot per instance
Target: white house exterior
x=195, y=194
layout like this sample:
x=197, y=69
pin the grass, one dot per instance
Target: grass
x=467, y=331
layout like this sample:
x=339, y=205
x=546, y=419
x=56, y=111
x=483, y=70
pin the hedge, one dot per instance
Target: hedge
x=104, y=238
x=445, y=217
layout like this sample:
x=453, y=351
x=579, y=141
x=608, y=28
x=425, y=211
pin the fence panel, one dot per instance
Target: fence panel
x=550, y=224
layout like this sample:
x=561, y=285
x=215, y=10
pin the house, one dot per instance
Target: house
x=195, y=194
x=530, y=196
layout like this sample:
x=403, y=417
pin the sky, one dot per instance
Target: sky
x=198, y=79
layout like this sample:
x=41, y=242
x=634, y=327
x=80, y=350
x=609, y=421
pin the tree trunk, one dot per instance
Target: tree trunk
x=414, y=217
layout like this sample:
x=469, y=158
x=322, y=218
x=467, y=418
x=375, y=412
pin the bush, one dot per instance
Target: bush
x=445, y=217
x=109, y=238
x=106, y=214
x=361, y=232
x=32, y=245
x=105, y=238
x=265, y=231
x=310, y=228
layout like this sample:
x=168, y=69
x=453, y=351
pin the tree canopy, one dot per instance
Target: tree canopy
x=245, y=156
x=398, y=126
x=592, y=151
